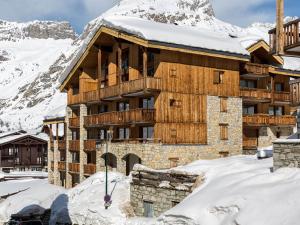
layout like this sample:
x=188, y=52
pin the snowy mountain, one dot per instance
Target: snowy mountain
x=33, y=56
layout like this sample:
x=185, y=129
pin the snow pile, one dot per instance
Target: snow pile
x=37, y=196
x=84, y=204
x=239, y=190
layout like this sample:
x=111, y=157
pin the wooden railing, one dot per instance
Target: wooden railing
x=89, y=169
x=132, y=86
x=249, y=142
x=291, y=35
x=256, y=93
x=74, y=122
x=62, y=166
x=116, y=118
x=74, y=99
x=283, y=120
x=257, y=69
x=282, y=96
x=90, y=145
x=61, y=145
x=74, y=167
x=91, y=96
x=266, y=120
x=74, y=146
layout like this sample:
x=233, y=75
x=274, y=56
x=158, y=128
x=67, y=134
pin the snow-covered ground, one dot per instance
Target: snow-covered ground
x=237, y=190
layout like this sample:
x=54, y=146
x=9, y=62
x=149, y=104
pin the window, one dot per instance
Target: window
x=10, y=151
x=278, y=134
x=279, y=87
x=39, y=160
x=248, y=83
x=249, y=110
x=148, y=209
x=123, y=106
x=173, y=133
x=102, y=134
x=104, y=73
x=147, y=103
x=218, y=77
x=147, y=132
x=150, y=64
x=172, y=72
x=276, y=110
x=224, y=131
x=123, y=133
x=175, y=103
x=223, y=104
x=75, y=157
x=102, y=108
x=125, y=65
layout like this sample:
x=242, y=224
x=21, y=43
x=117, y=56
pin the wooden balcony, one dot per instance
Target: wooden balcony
x=74, y=167
x=131, y=88
x=259, y=120
x=91, y=145
x=134, y=116
x=254, y=94
x=74, y=122
x=74, y=146
x=89, y=169
x=61, y=166
x=250, y=143
x=91, y=96
x=291, y=38
x=256, y=70
x=282, y=97
x=74, y=99
x=61, y=145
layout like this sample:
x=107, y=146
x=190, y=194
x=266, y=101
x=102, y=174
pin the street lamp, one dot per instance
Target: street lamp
x=107, y=197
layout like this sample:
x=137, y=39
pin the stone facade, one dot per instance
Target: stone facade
x=286, y=153
x=267, y=135
x=68, y=153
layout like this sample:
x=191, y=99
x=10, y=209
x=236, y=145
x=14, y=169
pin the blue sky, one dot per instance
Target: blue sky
x=80, y=12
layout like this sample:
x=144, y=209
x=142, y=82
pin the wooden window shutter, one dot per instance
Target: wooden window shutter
x=223, y=104
x=173, y=133
x=218, y=77
x=173, y=72
x=224, y=131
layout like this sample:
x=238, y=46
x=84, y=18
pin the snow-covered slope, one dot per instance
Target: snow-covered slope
x=31, y=57
x=34, y=55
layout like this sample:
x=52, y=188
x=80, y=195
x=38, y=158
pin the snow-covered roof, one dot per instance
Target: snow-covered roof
x=9, y=133
x=18, y=135
x=182, y=37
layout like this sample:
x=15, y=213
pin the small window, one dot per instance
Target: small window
x=223, y=104
x=175, y=103
x=279, y=87
x=224, y=131
x=173, y=133
x=148, y=209
x=218, y=77
x=173, y=72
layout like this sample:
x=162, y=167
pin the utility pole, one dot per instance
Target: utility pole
x=279, y=27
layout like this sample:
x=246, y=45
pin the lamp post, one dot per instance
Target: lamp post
x=107, y=197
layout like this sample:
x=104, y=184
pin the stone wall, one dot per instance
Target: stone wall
x=286, y=153
x=267, y=135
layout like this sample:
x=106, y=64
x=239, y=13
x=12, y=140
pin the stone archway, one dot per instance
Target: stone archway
x=131, y=160
x=111, y=160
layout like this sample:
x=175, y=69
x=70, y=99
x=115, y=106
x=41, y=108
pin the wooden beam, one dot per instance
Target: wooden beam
x=279, y=27
x=119, y=73
x=99, y=67
x=145, y=62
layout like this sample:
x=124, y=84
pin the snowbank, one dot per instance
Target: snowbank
x=239, y=190
x=84, y=204
x=37, y=196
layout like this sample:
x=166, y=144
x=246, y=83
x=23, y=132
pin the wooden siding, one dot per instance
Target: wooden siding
x=89, y=169
x=267, y=120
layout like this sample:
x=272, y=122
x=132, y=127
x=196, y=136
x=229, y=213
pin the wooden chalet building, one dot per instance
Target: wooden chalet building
x=22, y=151
x=169, y=95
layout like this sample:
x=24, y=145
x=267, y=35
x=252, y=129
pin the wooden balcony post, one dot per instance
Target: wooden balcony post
x=272, y=88
x=119, y=62
x=56, y=131
x=51, y=134
x=145, y=61
x=99, y=67
x=279, y=27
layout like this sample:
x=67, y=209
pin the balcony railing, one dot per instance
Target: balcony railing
x=89, y=169
x=117, y=118
x=74, y=99
x=74, y=146
x=267, y=120
x=62, y=166
x=91, y=145
x=249, y=142
x=91, y=96
x=256, y=93
x=295, y=92
x=74, y=167
x=74, y=122
x=257, y=69
x=291, y=35
x=282, y=96
x=132, y=86
x=61, y=145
